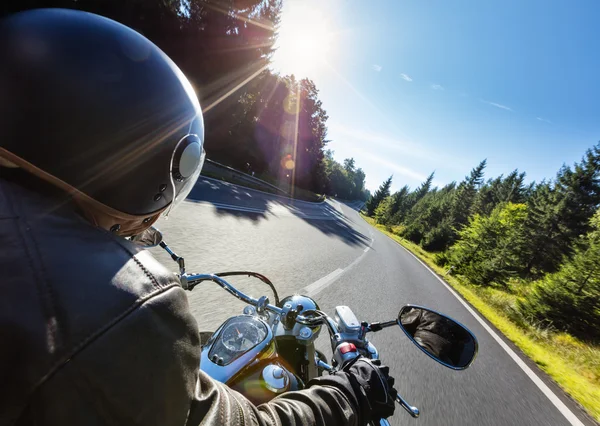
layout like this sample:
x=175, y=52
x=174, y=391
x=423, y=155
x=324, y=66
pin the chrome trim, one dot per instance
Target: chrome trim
x=427, y=353
x=223, y=373
x=346, y=320
x=311, y=369
x=323, y=365
x=249, y=310
x=191, y=280
x=275, y=378
x=374, y=353
x=261, y=305
x=412, y=410
x=384, y=422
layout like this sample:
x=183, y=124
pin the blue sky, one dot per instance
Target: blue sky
x=415, y=86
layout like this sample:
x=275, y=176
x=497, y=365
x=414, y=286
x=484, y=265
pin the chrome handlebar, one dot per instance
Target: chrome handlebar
x=189, y=281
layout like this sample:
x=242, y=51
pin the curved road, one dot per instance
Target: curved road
x=327, y=251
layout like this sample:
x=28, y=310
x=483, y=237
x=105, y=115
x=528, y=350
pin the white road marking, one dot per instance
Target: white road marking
x=322, y=283
x=564, y=410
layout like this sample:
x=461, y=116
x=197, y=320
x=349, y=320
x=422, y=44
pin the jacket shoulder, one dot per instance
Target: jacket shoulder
x=64, y=284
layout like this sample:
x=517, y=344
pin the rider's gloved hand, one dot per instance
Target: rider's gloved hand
x=372, y=379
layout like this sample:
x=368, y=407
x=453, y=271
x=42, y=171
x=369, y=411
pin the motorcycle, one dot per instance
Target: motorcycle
x=270, y=348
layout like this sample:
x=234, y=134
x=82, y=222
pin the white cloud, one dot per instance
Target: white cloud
x=377, y=67
x=545, y=120
x=437, y=87
x=497, y=105
x=406, y=77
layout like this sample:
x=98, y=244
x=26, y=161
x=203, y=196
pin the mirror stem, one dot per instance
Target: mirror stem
x=378, y=326
x=180, y=261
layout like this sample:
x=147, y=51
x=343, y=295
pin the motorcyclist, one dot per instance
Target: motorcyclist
x=100, y=134
x=434, y=333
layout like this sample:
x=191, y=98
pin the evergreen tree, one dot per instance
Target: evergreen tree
x=383, y=211
x=428, y=222
x=424, y=188
x=569, y=299
x=560, y=212
x=405, y=200
x=493, y=248
x=465, y=196
x=509, y=189
x=379, y=196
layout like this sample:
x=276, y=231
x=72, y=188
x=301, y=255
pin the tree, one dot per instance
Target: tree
x=405, y=201
x=349, y=165
x=428, y=222
x=359, y=185
x=561, y=211
x=492, y=249
x=569, y=299
x=382, y=213
x=509, y=189
x=379, y=196
x=465, y=196
x=344, y=182
x=424, y=188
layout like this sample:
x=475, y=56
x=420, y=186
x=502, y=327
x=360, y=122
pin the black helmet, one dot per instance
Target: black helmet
x=96, y=109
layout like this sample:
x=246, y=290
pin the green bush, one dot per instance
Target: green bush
x=492, y=249
x=441, y=258
x=569, y=299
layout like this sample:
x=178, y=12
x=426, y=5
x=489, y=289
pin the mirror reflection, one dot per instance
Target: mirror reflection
x=151, y=237
x=440, y=337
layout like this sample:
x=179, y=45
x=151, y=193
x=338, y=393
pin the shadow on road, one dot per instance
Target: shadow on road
x=244, y=204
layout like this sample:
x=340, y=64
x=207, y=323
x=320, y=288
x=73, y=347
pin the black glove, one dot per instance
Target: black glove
x=376, y=385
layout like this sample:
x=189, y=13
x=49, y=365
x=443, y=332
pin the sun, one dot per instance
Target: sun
x=304, y=40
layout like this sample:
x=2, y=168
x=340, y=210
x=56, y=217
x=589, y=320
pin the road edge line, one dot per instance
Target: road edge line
x=554, y=399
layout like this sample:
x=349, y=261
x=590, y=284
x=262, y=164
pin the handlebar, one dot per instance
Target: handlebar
x=189, y=281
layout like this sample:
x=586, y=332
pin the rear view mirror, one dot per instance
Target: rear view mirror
x=151, y=237
x=443, y=339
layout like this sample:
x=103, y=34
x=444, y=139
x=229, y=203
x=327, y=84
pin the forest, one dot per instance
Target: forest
x=540, y=241
x=255, y=120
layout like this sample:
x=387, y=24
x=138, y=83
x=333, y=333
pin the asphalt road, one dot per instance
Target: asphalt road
x=329, y=252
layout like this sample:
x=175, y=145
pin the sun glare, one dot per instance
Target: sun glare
x=304, y=40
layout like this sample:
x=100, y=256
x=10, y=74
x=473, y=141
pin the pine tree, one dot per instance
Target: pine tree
x=465, y=196
x=560, y=212
x=424, y=188
x=379, y=196
x=569, y=299
x=509, y=189
x=492, y=248
x=406, y=201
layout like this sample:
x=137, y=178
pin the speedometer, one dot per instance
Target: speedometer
x=242, y=335
x=238, y=336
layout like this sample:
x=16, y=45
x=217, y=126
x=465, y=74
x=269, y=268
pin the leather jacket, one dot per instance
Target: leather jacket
x=94, y=331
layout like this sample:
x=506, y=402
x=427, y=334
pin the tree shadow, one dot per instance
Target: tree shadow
x=247, y=204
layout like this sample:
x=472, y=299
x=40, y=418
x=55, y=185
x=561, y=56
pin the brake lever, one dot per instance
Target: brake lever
x=412, y=410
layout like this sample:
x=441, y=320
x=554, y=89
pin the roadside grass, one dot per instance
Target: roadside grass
x=571, y=363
